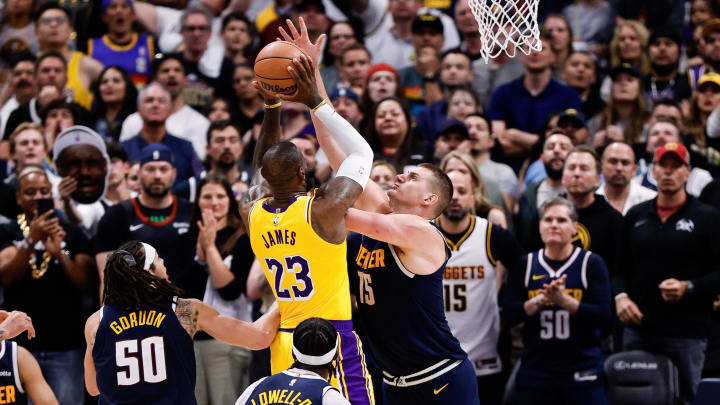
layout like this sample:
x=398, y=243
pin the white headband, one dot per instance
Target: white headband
x=79, y=135
x=150, y=254
x=315, y=360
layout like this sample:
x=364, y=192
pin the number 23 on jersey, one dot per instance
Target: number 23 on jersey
x=301, y=289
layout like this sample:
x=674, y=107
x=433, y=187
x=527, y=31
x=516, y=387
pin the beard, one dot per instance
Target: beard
x=618, y=180
x=552, y=173
x=153, y=191
x=224, y=165
x=664, y=70
x=456, y=215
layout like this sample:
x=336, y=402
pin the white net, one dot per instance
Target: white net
x=507, y=26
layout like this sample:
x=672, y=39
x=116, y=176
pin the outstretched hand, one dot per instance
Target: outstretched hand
x=14, y=323
x=307, y=90
x=302, y=40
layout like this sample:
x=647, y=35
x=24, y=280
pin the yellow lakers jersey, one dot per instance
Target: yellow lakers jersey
x=307, y=274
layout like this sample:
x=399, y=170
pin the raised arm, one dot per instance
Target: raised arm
x=373, y=197
x=147, y=15
x=421, y=247
x=270, y=133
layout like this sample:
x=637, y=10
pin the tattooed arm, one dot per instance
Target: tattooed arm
x=90, y=330
x=195, y=315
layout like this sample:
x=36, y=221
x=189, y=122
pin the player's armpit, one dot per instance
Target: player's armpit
x=330, y=205
x=32, y=379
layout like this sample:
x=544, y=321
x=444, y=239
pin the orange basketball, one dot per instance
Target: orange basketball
x=271, y=67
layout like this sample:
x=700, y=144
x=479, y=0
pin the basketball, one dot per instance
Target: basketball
x=271, y=67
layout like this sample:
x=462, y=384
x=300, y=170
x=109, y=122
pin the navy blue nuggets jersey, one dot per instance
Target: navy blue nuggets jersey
x=292, y=386
x=136, y=57
x=402, y=313
x=11, y=389
x=562, y=348
x=143, y=357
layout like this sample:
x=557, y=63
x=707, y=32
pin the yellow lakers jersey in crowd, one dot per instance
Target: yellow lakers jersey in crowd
x=308, y=275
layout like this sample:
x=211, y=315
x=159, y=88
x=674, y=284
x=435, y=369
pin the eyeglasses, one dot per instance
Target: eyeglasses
x=50, y=20
x=192, y=28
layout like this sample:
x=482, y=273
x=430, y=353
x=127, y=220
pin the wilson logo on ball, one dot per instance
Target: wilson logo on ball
x=278, y=89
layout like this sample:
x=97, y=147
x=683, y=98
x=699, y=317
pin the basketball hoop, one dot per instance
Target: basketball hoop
x=507, y=25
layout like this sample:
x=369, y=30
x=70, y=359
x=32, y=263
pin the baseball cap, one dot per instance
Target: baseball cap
x=106, y=3
x=624, y=68
x=575, y=115
x=676, y=149
x=710, y=26
x=454, y=126
x=344, y=92
x=427, y=20
x=709, y=78
x=156, y=152
x=665, y=32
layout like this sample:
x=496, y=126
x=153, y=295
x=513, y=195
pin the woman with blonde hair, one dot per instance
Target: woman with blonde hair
x=464, y=163
x=629, y=45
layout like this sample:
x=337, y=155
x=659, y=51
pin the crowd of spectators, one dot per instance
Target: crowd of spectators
x=139, y=119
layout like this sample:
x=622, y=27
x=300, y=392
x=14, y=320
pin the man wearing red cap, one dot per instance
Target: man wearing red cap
x=668, y=271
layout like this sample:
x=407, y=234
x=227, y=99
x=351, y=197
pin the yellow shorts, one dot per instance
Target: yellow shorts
x=281, y=352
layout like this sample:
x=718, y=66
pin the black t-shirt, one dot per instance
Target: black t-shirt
x=200, y=89
x=53, y=302
x=599, y=226
x=167, y=230
x=241, y=259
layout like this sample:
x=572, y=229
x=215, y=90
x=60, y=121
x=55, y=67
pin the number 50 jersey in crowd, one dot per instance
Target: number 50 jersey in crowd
x=143, y=356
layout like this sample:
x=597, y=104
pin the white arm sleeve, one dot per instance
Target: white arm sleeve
x=358, y=162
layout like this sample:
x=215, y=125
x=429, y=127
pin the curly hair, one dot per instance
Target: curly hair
x=130, y=287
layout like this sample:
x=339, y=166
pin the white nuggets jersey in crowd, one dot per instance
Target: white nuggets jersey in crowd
x=471, y=305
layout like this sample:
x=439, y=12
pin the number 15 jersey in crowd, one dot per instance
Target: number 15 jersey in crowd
x=143, y=356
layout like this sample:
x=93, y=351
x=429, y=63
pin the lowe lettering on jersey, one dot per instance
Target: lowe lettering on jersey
x=464, y=273
x=137, y=318
x=279, y=237
x=289, y=397
x=370, y=260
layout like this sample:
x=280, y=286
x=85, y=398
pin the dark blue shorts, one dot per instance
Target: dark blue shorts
x=456, y=386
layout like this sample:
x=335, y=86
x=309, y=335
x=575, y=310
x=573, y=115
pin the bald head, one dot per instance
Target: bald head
x=281, y=163
x=618, y=164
